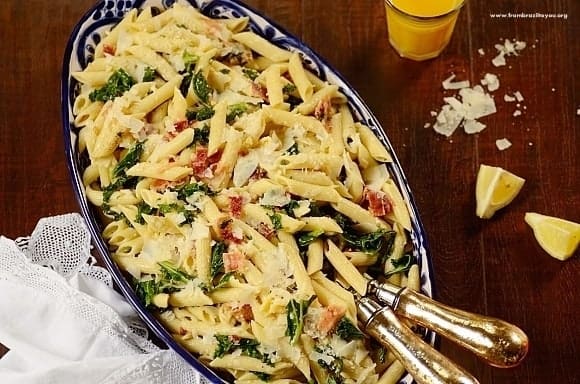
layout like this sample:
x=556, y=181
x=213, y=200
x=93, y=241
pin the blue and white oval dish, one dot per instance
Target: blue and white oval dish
x=79, y=52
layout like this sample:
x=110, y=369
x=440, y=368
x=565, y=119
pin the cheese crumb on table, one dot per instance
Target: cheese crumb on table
x=508, y=48
x=448, y=84
x=481, y=51
x=518, y=96
x=517, y=112
x=503, y=144
x=508, y=99
x=491, y=81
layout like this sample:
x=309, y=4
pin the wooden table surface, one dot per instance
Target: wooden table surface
x=492, y=266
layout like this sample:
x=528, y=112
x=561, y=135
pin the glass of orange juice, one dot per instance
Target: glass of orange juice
x=421, y=29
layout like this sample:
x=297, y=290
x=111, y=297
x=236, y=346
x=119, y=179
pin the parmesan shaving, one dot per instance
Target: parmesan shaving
x=508, y=48
x=503, y=144
x=447, y=83
x=471, y=126
x=491, y=81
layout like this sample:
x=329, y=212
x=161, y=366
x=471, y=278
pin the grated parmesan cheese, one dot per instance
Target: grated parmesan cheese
x=503, y=144
x=518, y=96
x=481, y=51
x=517, y=112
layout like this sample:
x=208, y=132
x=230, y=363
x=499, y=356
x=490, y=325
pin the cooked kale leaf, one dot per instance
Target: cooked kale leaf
x=217, y=258
x=149, y=74
x=306, y=238
x=347, y=330
x=201, y=87
x=401, y=265
x=276, y=220
x=295, y=312
x=119, y=83
x=130, y=159
x=236, y=110
x=225, y=345
x=250, y=73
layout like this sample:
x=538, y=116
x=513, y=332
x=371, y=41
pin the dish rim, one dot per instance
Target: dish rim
x=418, y=235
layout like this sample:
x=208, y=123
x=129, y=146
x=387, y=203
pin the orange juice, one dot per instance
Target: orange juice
x=420, y=29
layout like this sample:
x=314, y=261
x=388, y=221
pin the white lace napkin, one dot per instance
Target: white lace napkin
x=63, y=322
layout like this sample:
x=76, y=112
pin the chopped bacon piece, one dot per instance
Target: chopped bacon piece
x=182, y=331
x=215, y=157
x=265, y=230
x=330, y=318
x=234, y=261
x=258, y=174
x=243, y=312
x=228, y=233
x=109, y=49
x=379, y=203
x=259, y=91
x=181, y=125
x=159, y=185
x=236, y=206
x=323, y=112
x=199, y=162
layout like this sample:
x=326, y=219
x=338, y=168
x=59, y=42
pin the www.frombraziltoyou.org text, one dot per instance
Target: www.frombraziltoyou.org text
x=529, y=15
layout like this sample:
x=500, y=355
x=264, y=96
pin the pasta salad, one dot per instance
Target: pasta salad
x=240, y=196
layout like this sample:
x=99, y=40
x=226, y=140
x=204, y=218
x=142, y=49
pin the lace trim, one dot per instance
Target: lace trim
x=62, y=244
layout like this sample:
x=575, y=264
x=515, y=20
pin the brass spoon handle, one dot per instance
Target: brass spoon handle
x=499, y=343
x=423, y=362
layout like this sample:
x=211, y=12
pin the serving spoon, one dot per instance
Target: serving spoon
x=423, y=362
x=497, y=342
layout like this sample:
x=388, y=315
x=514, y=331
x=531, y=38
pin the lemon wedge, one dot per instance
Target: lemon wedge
x=495, y=188
x=556, y=236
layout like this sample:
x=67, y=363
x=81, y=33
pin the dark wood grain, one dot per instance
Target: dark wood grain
x=488, y=266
